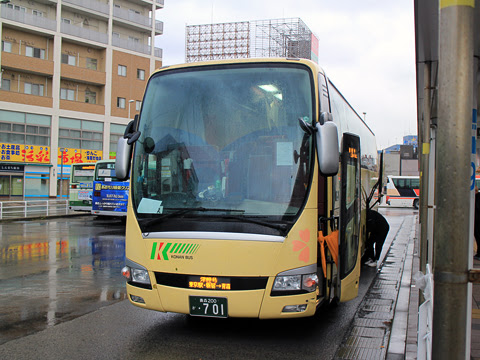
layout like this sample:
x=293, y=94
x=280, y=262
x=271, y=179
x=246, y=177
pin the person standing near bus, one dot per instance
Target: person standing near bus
x=377, y=230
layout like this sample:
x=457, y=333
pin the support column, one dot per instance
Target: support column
x=453, y=181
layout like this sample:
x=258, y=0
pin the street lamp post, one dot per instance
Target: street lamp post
x=129, y=103
x=61, y=173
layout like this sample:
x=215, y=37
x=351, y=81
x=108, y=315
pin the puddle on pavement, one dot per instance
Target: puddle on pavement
x=52, y=271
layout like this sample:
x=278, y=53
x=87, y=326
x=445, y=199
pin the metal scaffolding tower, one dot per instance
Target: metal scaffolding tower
x=218, y=41
x=249, y=39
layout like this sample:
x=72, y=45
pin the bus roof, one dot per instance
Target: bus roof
x=307, y=62
x=106, y=161
x=403, y=176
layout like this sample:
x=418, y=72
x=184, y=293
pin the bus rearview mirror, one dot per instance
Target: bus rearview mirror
x=327, y=148
x=122, y=161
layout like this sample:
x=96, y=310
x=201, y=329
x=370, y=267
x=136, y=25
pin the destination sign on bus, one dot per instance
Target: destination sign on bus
x=209, y=283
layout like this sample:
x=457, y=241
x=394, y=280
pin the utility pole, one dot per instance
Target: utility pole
x=451, y=313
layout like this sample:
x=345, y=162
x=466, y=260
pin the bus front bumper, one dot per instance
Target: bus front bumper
x=245, y=304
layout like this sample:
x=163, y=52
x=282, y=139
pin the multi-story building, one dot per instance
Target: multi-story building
x=73, y=73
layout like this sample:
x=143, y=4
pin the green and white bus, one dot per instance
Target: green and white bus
x=81, y=186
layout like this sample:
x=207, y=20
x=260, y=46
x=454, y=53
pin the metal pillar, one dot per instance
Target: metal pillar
x=424, y=166
x=453, y=171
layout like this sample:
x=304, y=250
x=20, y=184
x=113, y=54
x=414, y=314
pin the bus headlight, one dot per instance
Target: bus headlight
x=307, y=282
x=286, y=283
x=140, y=276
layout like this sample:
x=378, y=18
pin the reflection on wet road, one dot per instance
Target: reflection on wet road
x=54, y=270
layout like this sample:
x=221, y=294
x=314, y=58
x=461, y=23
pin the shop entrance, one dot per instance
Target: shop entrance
x=11, y=186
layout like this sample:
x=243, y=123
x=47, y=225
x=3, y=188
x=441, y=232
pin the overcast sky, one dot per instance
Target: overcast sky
x=367, y=49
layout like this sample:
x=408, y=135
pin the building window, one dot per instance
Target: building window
x=133, y=39
x=120, y=103
x=37, y=13
x=5, y=84
x=34, y=52
x=23, y=128
x=33, y=89
x=116, y=35
x=67, y=94
x=69, y=59
x=122, y=70
x=91, y=64
x=7, y=46
x=16, y=7
x=138, y=105
x=140, y=74
x=90, y=97
x=66, y=21
x=116, y=132
x=80, y=134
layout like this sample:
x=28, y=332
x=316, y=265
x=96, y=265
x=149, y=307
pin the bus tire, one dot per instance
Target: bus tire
x=415, y=204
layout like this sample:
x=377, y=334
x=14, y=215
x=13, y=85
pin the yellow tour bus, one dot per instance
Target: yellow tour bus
x=250, y=181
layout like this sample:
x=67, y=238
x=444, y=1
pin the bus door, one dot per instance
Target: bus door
x=349, y=236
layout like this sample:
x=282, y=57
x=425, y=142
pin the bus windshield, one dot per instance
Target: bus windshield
x=218, y=142
x=82, y=173
x=105, y=172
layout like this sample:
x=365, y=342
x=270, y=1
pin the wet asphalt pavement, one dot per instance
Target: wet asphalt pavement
x=52, y=271
x=57, y=277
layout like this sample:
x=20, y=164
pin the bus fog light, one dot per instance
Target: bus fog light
x=140, y=276
x=137, y=299
x=285, y=283
x=294, y=308
x=309, y=282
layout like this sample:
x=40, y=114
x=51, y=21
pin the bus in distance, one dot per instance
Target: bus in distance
x=402, y=191
x=81, y=186
x=110, y=195
x=248, y=192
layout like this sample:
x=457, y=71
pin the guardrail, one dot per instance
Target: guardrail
x=33, y=208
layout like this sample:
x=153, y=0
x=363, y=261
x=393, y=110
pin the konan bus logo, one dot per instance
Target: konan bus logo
x=167, y=251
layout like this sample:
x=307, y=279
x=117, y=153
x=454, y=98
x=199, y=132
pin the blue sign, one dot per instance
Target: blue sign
x=110, y=196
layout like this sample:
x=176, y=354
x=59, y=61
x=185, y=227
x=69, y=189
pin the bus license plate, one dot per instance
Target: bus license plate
x=208, y=306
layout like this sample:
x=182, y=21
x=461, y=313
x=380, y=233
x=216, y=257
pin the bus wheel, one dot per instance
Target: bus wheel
x=415, y=204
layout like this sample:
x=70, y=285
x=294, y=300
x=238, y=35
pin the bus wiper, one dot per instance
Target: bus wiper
x=182, y=211
x=281, y=227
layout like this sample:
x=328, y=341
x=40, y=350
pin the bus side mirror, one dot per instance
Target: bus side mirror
x=122, y=161
x=327, y=148
x=124, y=150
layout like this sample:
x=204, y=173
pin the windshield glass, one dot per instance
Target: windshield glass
x=82, y=173
x=105, y=172
x=224, y=140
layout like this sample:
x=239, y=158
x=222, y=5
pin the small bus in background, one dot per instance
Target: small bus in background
x=403, y=191
x=110, y=195
x=81, y=187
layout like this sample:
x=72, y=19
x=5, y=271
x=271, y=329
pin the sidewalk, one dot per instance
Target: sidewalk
x=411, y=343
x=385, y=325
x=379, y=328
